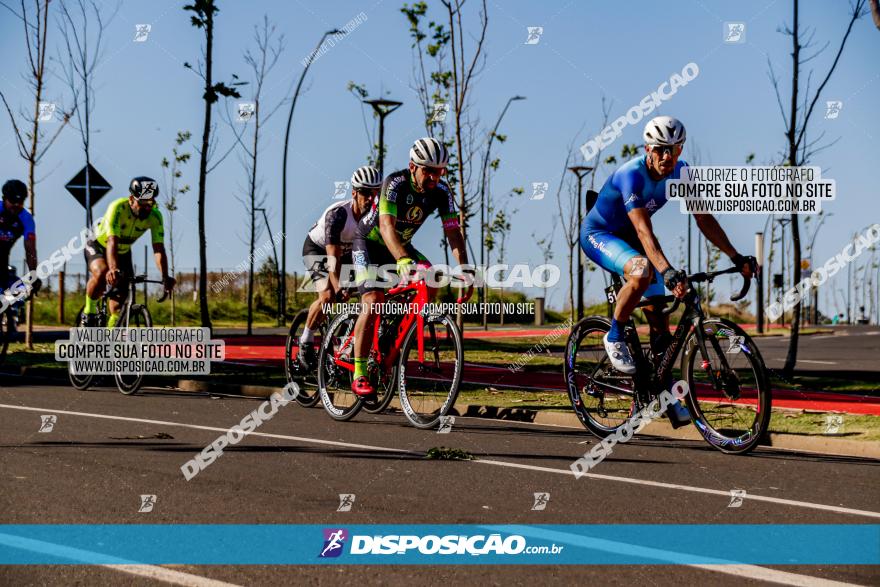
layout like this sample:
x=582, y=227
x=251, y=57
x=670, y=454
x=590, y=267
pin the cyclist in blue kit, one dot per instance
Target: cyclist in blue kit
x=617, y=235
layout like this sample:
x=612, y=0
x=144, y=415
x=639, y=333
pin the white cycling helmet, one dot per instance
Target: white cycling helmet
x=429, y=152
x=664, y=130
x=366, y=177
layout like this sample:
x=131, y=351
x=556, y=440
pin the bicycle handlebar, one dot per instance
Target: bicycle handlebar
x=140, y=279
x=709, y=277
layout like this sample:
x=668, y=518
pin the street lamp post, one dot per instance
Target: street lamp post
x=383, y=108
x=483, y=187
x=277, y=271
x=814, y=298
x=580, y=171
x=759, y=254
x=302, y=77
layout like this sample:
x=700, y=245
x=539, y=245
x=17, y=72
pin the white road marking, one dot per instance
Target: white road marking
x=725, y=494
x=170, y=576
x=772, y=575
x=818, y=362
x=162, y=574
x=668, y=556
x=704, y=490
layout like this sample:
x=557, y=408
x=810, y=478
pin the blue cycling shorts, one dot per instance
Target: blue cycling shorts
x=612, y=251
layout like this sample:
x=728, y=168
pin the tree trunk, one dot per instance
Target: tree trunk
x=791, y=357
x=203, y=172
x=253, y=186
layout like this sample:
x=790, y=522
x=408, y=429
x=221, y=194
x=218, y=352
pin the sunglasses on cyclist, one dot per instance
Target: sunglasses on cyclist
x=663, y=149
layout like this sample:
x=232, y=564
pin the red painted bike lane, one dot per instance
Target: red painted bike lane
x=269, y=351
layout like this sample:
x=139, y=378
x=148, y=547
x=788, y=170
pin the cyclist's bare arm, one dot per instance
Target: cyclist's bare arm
x=387, y=222
x=162, y=263
x=112, y=259
x=30, y=252
x=713, y=231
x=334, y=257
x=645, y=230
x=453, y=236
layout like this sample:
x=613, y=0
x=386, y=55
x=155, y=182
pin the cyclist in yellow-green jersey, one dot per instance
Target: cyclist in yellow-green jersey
x=109, y=254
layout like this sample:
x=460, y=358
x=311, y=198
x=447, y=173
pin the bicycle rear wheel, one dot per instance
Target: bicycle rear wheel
x=138, y=317
x=387, y=381
x=293, y=369
x=428, y=384
x=334, y=380
x=729, y=398
x=601, y=396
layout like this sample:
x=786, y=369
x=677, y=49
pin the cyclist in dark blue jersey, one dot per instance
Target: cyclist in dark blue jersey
x=618, y=236
x=15, y=223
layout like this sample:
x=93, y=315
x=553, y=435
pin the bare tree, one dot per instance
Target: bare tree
x=82, y=24
x=203, y=12
x=172, y=191
x=567, y=204
x=464, y=71
x=432, y=83
x=800, y=150
x=30, y=140
x=261, y=63
x=545, y=245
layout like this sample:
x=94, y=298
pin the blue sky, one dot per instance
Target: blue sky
x=624, y=49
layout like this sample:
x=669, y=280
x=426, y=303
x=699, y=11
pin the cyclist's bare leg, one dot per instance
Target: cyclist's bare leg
x=97, y=279
x=366, y=323
x=316, y=310
x=638, y=274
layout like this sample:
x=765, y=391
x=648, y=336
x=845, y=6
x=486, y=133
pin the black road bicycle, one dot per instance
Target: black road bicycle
x=729, y=390
x=132, y=315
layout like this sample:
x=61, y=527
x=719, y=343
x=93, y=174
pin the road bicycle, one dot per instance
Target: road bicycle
x=417, y=353
x=729, y=395
x=132, y=315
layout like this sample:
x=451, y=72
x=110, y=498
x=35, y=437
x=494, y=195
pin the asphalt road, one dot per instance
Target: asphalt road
x=92, y=469
x=851, y=349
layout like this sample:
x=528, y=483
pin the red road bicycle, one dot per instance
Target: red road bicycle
x=414, y=351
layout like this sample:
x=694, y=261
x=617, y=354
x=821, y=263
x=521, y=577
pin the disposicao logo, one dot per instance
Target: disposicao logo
x=334, y=541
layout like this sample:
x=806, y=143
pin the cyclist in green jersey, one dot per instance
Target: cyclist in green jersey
x=109, y=255
x=384, y=238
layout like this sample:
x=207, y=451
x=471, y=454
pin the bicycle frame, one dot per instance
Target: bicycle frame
x=414, y=313
x=692, y=320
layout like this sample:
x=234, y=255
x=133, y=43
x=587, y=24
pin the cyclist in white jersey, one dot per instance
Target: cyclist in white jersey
x=328, y=246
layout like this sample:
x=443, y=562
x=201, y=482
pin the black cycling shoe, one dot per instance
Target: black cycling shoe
x=88, y=321
x=307, y=357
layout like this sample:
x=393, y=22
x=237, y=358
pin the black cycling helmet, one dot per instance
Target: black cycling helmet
x=15, y=191
x=144, y=188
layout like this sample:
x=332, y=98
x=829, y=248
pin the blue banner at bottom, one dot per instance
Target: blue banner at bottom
x=221, y=544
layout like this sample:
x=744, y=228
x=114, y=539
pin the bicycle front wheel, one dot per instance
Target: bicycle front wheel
x=601, y=396
x=429, y=377
x=138, y=317
x=334, y=376
x=5, y=333
x=293, y=369
x=80, y=382
x=729, y=393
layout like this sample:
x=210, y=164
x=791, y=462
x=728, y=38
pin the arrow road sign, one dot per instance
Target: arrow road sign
x=97, y=184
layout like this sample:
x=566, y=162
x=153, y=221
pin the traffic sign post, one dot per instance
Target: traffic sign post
x=88, y=186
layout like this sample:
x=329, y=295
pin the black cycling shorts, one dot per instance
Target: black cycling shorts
x=95, y=250
x=316, y=262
